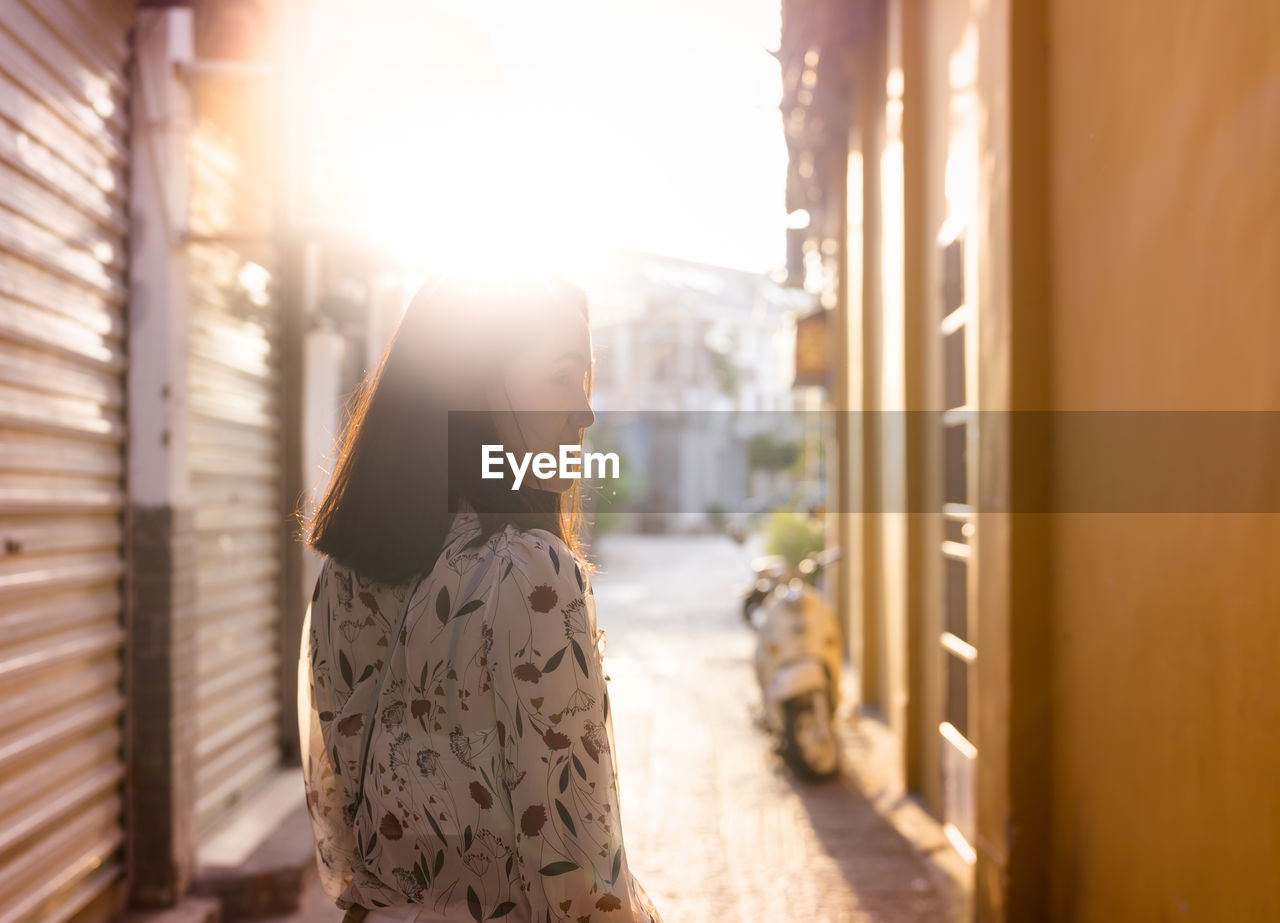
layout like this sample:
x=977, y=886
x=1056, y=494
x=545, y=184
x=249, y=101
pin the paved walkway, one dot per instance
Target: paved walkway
x=716, y=828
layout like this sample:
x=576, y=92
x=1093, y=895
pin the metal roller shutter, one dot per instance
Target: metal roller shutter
x=233, y=388
x=63, y=164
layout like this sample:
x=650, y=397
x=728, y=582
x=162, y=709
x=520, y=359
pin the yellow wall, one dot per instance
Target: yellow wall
x=1164, y=132
x=1128, y=258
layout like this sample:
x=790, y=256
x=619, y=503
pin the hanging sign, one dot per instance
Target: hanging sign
x=811, y=350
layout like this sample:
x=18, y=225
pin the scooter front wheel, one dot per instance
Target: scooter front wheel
x=810, y=746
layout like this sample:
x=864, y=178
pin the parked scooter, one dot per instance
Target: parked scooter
x=770, y=570
x=797, y=661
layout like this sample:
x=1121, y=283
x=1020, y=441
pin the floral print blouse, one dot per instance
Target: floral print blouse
x=490, y=790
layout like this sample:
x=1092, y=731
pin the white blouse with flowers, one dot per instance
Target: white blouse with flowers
x=489, y=790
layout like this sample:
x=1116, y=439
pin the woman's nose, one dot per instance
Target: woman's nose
x=582, y=418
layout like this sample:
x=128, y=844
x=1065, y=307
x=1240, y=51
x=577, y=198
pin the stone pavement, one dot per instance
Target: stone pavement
x=716, y=828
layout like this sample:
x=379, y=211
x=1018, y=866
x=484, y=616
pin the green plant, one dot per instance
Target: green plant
x=608, y=500
x=793, y=536
x=717, y=517
x=766, y=453
x=724, y=371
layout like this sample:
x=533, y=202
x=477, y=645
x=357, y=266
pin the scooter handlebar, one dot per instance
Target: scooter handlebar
x=770, y=565
x=815, y=562
x=830, y=556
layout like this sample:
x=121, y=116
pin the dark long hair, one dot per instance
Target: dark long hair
x=410, y=450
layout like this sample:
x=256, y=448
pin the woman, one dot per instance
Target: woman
x=457, y=743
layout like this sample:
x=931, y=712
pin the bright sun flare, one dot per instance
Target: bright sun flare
x=492, y=205
x=500, y=136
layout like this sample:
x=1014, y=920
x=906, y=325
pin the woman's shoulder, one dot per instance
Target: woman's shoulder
x=344, y=586
x=533, y=554
x=529, y=546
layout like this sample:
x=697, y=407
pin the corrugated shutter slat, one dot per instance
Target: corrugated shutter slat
x=63, y=217
x=234, y=461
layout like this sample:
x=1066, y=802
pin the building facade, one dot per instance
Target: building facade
x=150, y=593
x=1029, y=214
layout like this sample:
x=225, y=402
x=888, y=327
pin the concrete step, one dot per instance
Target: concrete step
x=188, y=910
x=260, y=859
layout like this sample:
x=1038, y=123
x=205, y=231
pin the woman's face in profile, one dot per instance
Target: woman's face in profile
x=541, y=402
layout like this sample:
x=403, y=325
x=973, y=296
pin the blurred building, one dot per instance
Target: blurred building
x=692, y=361
x=1051, y=207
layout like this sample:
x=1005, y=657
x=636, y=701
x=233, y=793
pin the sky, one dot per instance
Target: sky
x=550, y=130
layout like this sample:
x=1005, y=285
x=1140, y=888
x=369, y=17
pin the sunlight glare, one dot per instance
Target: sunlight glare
x=504, y=136
x=493, y=205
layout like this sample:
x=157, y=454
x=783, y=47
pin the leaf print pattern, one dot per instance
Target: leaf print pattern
x=542, y=598
x=480, y=795
x=489, y=788
x=344, y=590
x=390, y=828
x=594, y=741
x=532, y=820
x=555, y=740
x=527, y=672
x=393, y=715
x=428, y=762
x=579, y=701
x=511, y=774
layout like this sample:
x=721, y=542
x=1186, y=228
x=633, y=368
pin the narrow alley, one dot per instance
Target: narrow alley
x=980, y=294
